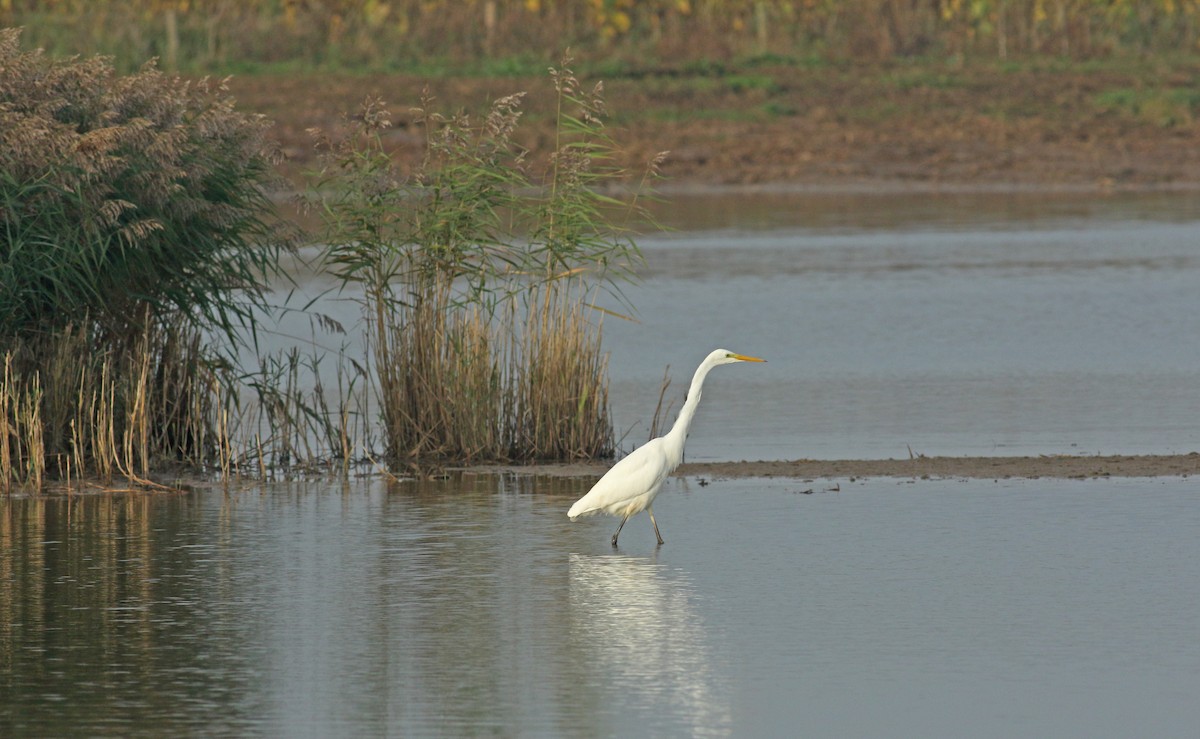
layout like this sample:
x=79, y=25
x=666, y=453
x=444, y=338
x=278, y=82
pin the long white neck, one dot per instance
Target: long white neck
x=676, y=437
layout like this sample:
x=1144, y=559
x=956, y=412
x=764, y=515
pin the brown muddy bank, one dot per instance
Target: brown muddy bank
x=983, y=468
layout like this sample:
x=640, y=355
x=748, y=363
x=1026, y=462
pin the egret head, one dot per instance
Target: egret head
x=724, y=356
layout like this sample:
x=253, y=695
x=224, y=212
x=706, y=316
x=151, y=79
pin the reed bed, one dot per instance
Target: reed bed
x=527, y=385
x=136, y=242
x=69, y=415
x=68, y=412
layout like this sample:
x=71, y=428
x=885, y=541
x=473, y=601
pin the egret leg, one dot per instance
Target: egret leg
x=614, y=539
x=655, y=525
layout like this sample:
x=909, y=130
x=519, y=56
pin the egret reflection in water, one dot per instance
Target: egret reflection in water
x=635, y=618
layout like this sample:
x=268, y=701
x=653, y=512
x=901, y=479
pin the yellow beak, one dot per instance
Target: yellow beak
x=744, y=358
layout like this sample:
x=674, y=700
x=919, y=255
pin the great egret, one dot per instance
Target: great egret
x=630, y=486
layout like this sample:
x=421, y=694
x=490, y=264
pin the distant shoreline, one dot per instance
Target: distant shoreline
x=986, y=468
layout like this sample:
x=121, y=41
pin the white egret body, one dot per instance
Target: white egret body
x=630, y=486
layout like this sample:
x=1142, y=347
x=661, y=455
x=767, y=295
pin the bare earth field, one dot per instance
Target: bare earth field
x=900, y=128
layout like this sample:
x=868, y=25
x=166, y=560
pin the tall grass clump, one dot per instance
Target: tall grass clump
x=478, y=277
x=134, y=237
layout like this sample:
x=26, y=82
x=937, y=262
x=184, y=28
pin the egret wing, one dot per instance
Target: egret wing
x=642, y=472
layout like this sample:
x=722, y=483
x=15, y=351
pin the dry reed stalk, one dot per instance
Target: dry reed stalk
x=224, y=445
x=35, y=452
x=7, y=426
x=350, y=419
x=103, y=423
x=78, y=427
x=262, y=458
x=136, y=423
x=660, y=412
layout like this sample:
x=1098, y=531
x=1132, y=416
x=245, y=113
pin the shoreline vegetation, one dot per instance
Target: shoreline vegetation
x=768, y=95
x=139, y=246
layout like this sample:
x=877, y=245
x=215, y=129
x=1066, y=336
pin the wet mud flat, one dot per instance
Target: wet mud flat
x=1025, y=467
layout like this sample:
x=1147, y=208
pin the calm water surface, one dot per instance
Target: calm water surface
x=471, y=606
x=995, y=324
x=985, y=324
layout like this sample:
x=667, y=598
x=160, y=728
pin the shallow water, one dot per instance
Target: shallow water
x=472, y=606
x=989, y=323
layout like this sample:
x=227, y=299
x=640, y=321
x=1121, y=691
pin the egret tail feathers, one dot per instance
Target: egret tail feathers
x=578, y=511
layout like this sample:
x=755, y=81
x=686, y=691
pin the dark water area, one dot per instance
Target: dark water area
x=472, y=606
